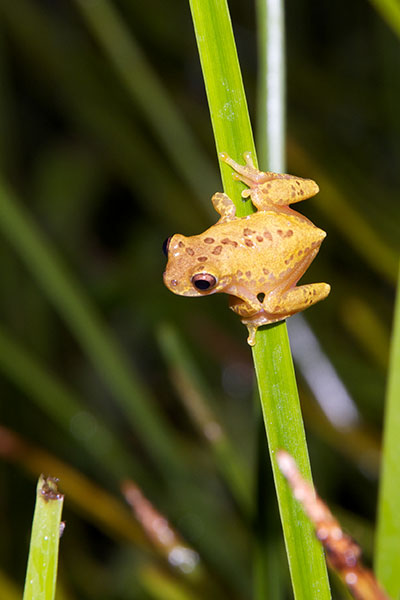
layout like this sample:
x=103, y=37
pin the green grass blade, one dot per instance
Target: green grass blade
x=41, y=575
x=271, y=354
x=284, y=426
x=70, y=300
x=387, y=556
x=224, y=86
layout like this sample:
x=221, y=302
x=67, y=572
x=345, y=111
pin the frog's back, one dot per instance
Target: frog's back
x=266, y=233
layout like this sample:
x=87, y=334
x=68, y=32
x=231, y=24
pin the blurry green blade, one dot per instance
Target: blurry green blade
x=387, y=555
x=64, y=407
x=72, y=303
x=390, y=11
x=41, y=575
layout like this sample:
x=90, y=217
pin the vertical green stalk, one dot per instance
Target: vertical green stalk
x=41, y=574
x=272, y=358
x=387, y=555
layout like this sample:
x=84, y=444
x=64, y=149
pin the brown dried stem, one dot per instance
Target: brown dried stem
x=342, y=552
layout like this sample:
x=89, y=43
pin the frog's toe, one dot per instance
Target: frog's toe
x=251, y=340
x=249, y=159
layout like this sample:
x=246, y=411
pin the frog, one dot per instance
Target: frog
x=256, y=259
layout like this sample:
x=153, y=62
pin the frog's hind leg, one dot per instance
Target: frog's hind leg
x=224, y=207
x=297, y=299
x=282, y=190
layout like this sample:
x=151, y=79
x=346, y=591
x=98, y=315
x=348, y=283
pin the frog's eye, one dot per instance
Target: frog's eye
x=204, y=281
x=165, y=246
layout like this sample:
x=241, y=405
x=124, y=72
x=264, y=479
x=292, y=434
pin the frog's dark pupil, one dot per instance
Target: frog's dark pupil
x=202, y=284
x=203, y=281
x=165, y=246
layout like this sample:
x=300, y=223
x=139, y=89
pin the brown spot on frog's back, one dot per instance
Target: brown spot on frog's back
x=268, y=235
x=209, y=240
x=228, y=241
x=249, y=243
x=247, y=231
x=217, y=250
x=248, y=274
x=202, y=258
x=259, y=238
x=190, y=251
x=181, y=244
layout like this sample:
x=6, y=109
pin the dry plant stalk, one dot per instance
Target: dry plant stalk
x=342, y=552
x=159, y=531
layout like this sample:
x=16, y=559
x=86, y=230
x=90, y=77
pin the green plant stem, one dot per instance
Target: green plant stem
x=284, y=427
x=41, y=575
x=272, y=357
x=226, y=98
x=387, y=556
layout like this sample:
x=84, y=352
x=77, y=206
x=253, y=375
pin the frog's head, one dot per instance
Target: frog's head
x=187, y=272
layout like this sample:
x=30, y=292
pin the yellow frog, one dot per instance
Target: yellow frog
x=257, y=259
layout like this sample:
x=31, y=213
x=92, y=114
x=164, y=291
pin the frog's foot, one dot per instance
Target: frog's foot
x=256, y=321
x=251, y=339
x=224, y=207
x=247, y=173
x=296, y=299
x=268, y=189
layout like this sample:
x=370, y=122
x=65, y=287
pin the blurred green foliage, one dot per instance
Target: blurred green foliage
x=94, y=160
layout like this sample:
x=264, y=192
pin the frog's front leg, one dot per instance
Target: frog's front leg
x=268, y=189
x=224, y=207
x=250, y=310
